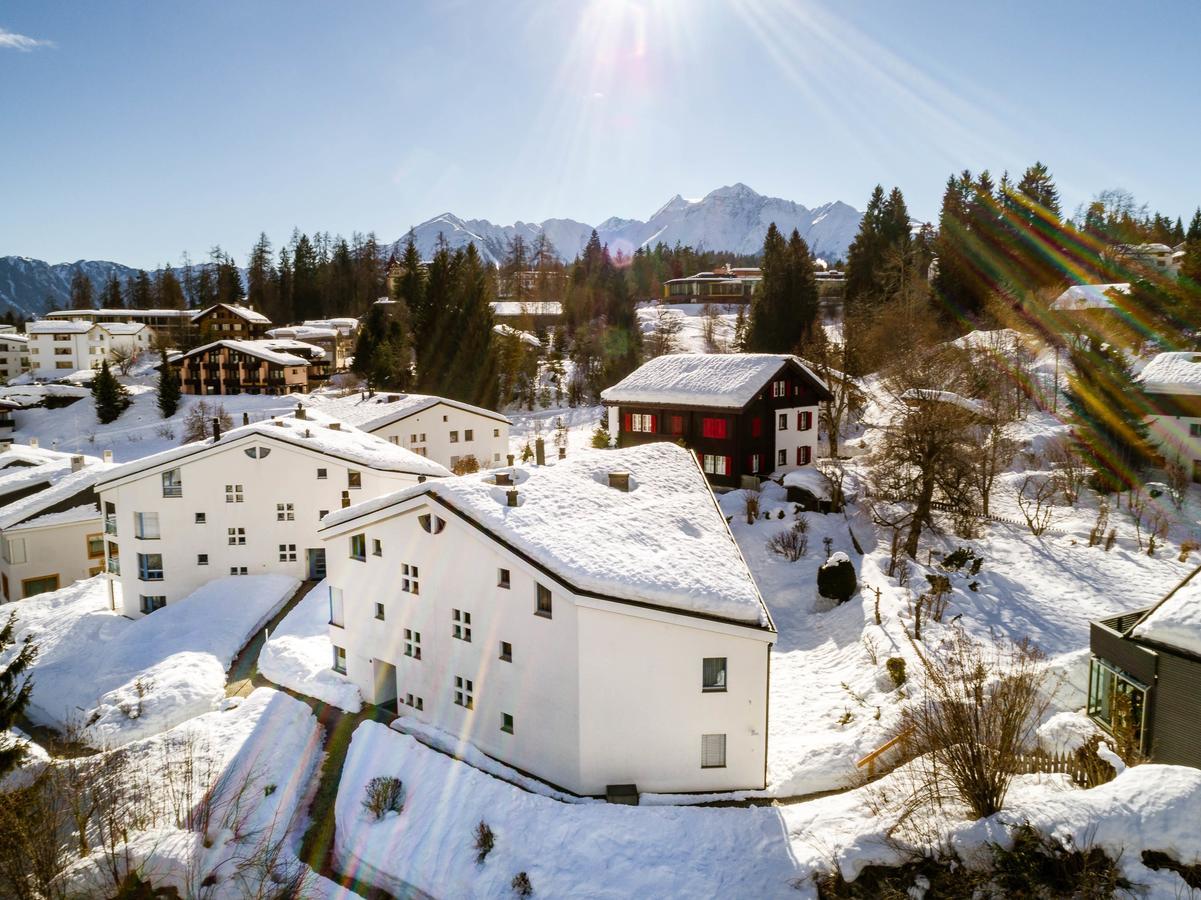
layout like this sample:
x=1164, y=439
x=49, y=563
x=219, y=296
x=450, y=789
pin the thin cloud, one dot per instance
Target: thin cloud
x=10, y=40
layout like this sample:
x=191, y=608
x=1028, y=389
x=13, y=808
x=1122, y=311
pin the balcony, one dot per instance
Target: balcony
x=110, y=525
x=112, y=565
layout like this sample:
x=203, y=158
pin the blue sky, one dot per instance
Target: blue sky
x=139, y=130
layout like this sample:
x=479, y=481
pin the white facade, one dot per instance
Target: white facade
x=248, y=504
x=58, y=347
x=14, y=355
x=796, y=431
x=601, y=691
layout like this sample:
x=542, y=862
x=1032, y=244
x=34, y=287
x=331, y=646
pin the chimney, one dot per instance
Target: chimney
x=393, y=398
x=504, y=479
x=620, y=481
x=540, y=452
x=245, y=418
x=335, y=426
x=216, y=429
x=301, y=412
x=562, y=453
x=108, y=456
x=512, y=495
x=76, y=462
x=345, y=499
x=33, y=442
x=511, y=458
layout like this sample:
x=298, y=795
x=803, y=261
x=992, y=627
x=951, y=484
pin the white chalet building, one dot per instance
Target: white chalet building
x=591, y=622
x=14, y=355
x=1171, y=385
x=438, y=428
x=246, y=503
x=57, y=347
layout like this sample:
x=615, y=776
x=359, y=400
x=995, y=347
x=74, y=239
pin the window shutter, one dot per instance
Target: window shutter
x=756, y=427
x=727, y=465
x=654, y=420
x=626, y=420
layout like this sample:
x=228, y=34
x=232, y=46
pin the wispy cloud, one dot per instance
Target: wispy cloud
x=10, y=40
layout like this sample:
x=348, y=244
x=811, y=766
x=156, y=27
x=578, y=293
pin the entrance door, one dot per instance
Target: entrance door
x=316, y=563
x=384, y=676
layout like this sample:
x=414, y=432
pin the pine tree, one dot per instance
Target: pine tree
x=763, y=331
x=866, y=252
x=140, y=292
x=434, y=320
x=168, y=387
x=383, y=350
x=110, y=297
x=16, y=688
x=306, y=289
x=111, y=397
x=1194, y=227
x=472, y=375
x=284, y=309
x=81, y=290
x=167, y=291
x=261, y=278
x=1107, y=416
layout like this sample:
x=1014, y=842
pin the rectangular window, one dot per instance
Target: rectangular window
x=172, y=484
x=782, y=422
x=713, y=428
x=463, y=692
x=462, y=625
x=31, y=587
x=803, y=455
x=496, y=432
x=150, y=566
x=145, y=526
x=413, y=644
x=409, y=579
x=149, y=604
x=287, y=553
x=454, y=437
x=322, y=473
x=642, y=422
x=321, y=514
x=340, y=659
x=468, y=435
x=506, y=723
x=95, y=546
x=1194, y=429
x=379, y=611
x=544, y=607
x=415, y=702
x=202, y=559
x=713, y=751
x=358, y=547
x=715, y=465
x=781, y=457
x=201, y=518
x=1116, y=701
x=354, y=479
x=285, y=512
x=377, y=549
x=779, y=388
x=753, y=462
x=237, y=537
x=713, y=673
x=233, y=493
x=804, y=421
x=237, y=570
x=503, y=578
x=506, y=651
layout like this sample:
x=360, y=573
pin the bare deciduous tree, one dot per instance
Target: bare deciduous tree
x=1036, y=500
x=665, y=332
x=828, y=360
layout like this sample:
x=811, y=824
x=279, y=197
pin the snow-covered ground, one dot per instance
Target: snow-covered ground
x=298, y=654
x=690, y=318
x=117, y=679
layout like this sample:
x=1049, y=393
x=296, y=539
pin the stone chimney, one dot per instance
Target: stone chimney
x=540, y=452
x=76, y=462
x=512, y=497
x=504, y=479
x=345, y=499
x=216, y=429
x=245, y=418
x=620, y=481
x=301, y=412
x=108, y=456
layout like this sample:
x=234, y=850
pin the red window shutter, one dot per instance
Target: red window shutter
x=654, y=424
x=798, y=456
x=756, y=427
x=727, y=465
x=677, y=424
x=626, y=424
x=713, y=428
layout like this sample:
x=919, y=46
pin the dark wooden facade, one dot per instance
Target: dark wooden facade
x=1170, y=679
x=220, y=369
x=223, y=321
x=745, y=437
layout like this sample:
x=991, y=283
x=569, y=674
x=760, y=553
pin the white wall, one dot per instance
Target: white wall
x=46, y=550
x=790, y=438
x=42, y=356
x=1172, y=436
x=489, y=437
x=14, y=357
x=600, y=693
x=287, y=475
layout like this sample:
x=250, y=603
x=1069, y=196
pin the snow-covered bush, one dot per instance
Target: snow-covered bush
x=836, y=579
x=383, y=796
x=485, y=840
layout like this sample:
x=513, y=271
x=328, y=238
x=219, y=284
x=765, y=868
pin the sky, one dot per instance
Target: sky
x=134, y=131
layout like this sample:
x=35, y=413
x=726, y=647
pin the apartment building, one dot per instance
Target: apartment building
x=14, y=355
x=57, y=347
x=247, y=367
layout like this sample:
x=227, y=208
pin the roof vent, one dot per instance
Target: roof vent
x=511, y=458
x=308, y=433
x=245, y=418
x=512, y=496
x=33, y=442
x=108, y=456
x=335, y=426
x=504, y=479
x=76, y=462
x=301, y=412
x=620, y=481
x=216, y=429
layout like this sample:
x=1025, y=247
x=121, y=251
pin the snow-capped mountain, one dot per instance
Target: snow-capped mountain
x=32, y=286
x=729, y=218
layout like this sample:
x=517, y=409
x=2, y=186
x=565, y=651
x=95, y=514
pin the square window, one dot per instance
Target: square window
x=354, y=479
x=463, y=692
x=201, y=518
x=454, y=437
x=287, y=553
x=544, y=607
x=145, y=526
x=233, y=493
x=150, y=566
x=285, y=512
x=713, y=673
x=468, y=435
x=379, y=611
x=323, y=473
x=713, y=751
x=237, y=537
x=202, y=559
x=321, y=514
x=506, y=723
x=377, y=549
x=503, y=578
x=172, y=484
x=461, y=628
x=413, y=644
x=506, y=651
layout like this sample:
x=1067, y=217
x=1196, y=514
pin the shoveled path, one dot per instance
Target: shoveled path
x=243, y=675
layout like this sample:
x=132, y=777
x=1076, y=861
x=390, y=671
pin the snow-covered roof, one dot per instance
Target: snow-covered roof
x=1176, y=620
x=32, y=394
x=108, y=312
x=283, y=345
x=64, y=486
x=264, y=350
x=524, y=336
x=809, y=479
x=664, y=542
x=373, y=413
x=43, y=326
x=302, y=332
x=313, y=433
x=728, y=380
x=1177, y=372
x=1089, y=296
x=927, y=395
x=15, y=338
x=528, y=307
x=237, y=309
x=122, y=327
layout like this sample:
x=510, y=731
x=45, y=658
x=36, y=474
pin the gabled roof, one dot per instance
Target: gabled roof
x=344, y=443
x=1089, y=296
x=664, y=543
x=725, y=380
x=1177, y=372
x=122, y=327
x=237, y=309
x=385, y=409
x=261, y=349
x=65, y=487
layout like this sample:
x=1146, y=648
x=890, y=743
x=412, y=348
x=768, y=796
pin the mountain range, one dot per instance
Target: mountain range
x=731, y=218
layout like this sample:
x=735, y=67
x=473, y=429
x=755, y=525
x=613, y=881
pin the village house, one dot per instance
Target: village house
x=1171, y=385
x=527, y=315
x=246, y=503
x=58, y=347
x=1145, y=678
x=446, y=431
x=50, y=527
x=726, y=285
x=744, y=415
x=14, y=355
x=245, y=367
x=517, y=651
x=337, y=346
x=230, y=320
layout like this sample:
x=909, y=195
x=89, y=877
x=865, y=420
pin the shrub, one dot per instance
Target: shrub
x=600, y=437
x=485, y=840
x=750, y=501
x=896, y=670
x=963, y=556
x=383, y=796
x=521, y=885
x=836, y=578
x=791, y=543
x=1040, y=860
x=465, y=465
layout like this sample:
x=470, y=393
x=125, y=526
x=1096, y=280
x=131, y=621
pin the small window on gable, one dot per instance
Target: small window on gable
x=377, y=549
x=258, y=452
x=201, y=518
x=354, y=479
x=544, y=604
x=323, y=473
x=503, y=578
x=432, y=524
